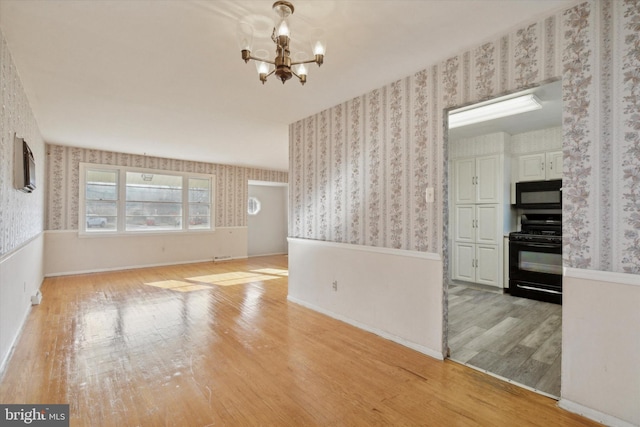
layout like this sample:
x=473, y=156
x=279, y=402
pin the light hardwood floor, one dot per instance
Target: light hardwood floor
x=514, y=338
x=219, y=344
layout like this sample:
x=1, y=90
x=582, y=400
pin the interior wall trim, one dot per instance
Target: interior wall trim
x=17, y=249
x=131, y=267
x=219, y=233
x=374, y=249
x=592, y=414
x=391, y=337
x=603, y=276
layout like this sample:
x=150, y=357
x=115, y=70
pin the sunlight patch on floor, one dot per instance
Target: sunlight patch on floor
x=276, y=271
x=178, y=285
x=235, y=278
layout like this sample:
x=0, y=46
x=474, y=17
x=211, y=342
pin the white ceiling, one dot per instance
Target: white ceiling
x=165, y=78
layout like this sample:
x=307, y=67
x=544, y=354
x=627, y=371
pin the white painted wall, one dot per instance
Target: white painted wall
x=65, y=252
x=396, y=294
x=21, y=274
x=601, y=346
x=268, y=229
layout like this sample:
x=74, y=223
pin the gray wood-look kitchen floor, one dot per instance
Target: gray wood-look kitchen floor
x=514, y=338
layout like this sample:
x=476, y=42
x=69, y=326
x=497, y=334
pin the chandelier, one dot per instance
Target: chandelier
x=283, y=67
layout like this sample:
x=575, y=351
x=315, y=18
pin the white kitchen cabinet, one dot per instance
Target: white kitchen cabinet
x=554, y=165
x=477, y=263
x=477, y=224
x=540, y=166
x=464, y=259
x=488, y=264
x=480, y=186
x=477, y=237
x=477, y=180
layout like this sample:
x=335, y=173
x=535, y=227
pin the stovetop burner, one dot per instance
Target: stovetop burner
x=546, y=228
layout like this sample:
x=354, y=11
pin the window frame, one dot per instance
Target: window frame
x=121, y=202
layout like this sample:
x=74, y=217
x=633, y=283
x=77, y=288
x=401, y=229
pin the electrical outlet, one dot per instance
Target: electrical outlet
x=335, y=285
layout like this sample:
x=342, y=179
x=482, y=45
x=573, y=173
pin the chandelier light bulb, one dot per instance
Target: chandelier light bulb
x=245, y=36
x=318, y=48
x=283, y=28
x=301, y=70
x=262, y=67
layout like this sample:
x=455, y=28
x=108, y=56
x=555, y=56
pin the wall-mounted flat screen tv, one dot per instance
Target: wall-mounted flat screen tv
x=25, y=166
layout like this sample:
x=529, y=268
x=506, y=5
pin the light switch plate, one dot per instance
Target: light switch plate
x=429, y=195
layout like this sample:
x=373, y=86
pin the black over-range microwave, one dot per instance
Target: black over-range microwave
x=539, y=194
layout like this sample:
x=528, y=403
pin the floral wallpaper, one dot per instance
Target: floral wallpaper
x=630, y=78
x=579, y=107
x=63, y=169
x=359, y=170
x=21, y=214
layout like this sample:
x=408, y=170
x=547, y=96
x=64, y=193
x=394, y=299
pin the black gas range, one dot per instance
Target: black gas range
x=535, y=258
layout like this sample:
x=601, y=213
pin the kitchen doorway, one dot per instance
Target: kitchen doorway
x=516, y=339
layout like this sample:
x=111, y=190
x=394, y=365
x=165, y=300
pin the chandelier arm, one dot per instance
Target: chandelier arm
x=262, y=60
x=310, y=61
x=302, y=79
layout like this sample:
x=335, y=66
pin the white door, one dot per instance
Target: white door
x=554, y=165
x=464, y=261
x=486, y=224
x=267, y=228
x=531, y=167
x=465, y=222
x=488, y=265
x=487, y=179
x=464, y=171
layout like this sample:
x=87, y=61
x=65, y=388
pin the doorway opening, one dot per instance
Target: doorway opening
x=267, y=218
x=514, y=338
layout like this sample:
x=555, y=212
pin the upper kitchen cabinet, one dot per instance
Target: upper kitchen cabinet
x=554, y=161
x=537, y=155
x=478, y=180
x=539, y=166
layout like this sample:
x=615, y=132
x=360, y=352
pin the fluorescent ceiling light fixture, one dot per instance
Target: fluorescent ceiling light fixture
x=508, y=107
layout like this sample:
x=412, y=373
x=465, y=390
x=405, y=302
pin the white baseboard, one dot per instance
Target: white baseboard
x=383, y=334
x=592, y=414
x=128, y=267
x=12, y=347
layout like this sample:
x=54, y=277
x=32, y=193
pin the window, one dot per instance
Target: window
x=123, y=199
x=253, y=206
x=101, y=200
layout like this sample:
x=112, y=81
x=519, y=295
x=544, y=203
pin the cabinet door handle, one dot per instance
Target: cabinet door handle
x=551, y=165
x=542, y=166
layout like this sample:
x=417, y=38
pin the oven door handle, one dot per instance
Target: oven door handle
x=532, y=288
x=540, y=245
